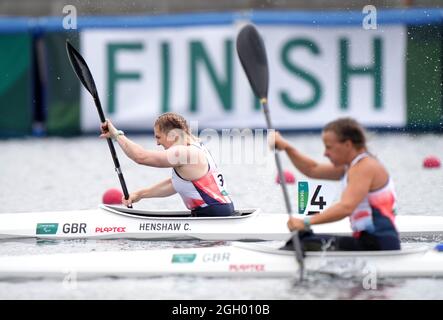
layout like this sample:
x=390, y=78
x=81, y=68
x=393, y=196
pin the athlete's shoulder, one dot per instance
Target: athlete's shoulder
x=365, y=165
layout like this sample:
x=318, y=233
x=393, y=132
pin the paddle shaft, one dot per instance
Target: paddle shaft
x=264, y=104
x=83, y=73
x=252, y=53
x=295, y=238
x=112, y=149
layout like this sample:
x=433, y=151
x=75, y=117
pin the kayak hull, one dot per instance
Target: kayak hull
x=108, y=222
x=238, y=259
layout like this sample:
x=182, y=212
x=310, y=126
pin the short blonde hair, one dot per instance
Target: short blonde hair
x=170, y=120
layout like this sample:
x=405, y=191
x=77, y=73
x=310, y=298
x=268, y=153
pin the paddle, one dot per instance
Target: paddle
x=252, y=53
x=84, y=75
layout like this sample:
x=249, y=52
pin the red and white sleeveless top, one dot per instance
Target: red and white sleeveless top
x=206, y=191
x=376, y=213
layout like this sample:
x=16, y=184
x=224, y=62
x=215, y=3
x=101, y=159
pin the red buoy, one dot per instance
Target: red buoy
x=431, y=162
x=288, y=175
x=112, y=196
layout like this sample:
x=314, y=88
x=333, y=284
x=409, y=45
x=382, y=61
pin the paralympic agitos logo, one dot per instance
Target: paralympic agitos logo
x=46, y=228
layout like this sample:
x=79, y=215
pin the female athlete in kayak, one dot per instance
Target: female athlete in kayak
x=368, y=196
x=195, y=175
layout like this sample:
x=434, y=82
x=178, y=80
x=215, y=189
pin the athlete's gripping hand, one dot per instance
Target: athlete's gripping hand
x=108, y=130
x=276, y=141
x=133, y=197
x=295, y=224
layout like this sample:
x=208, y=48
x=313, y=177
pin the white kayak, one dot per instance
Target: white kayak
x=239, y=259
x=112, y=222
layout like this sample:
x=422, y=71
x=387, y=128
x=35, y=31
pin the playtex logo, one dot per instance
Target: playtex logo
x=46, y=228
x=110, y=229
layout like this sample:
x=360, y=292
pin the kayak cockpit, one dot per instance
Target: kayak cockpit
x=173, y=214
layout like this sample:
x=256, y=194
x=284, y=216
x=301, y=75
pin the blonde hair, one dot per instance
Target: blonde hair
x=169, y=121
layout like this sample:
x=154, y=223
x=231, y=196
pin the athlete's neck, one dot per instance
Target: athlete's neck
x=186, y=140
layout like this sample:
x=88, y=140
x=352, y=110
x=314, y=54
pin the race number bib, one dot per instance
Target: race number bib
x=218, y=177
x=315, y=197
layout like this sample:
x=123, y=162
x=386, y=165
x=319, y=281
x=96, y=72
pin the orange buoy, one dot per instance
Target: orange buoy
x=431, y=162
x=112, y=196
x=288, y=176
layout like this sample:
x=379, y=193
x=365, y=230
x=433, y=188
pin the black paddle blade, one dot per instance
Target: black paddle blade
x=81, y=69
x=252, y=53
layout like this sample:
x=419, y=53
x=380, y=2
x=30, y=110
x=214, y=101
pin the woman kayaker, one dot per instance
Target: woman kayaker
x=195, y=175
x=368, y=197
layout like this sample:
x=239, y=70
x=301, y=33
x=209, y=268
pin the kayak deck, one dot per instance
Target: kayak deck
x=151, y=214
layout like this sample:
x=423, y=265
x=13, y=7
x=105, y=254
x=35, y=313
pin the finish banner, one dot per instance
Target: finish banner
x=316, y=75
